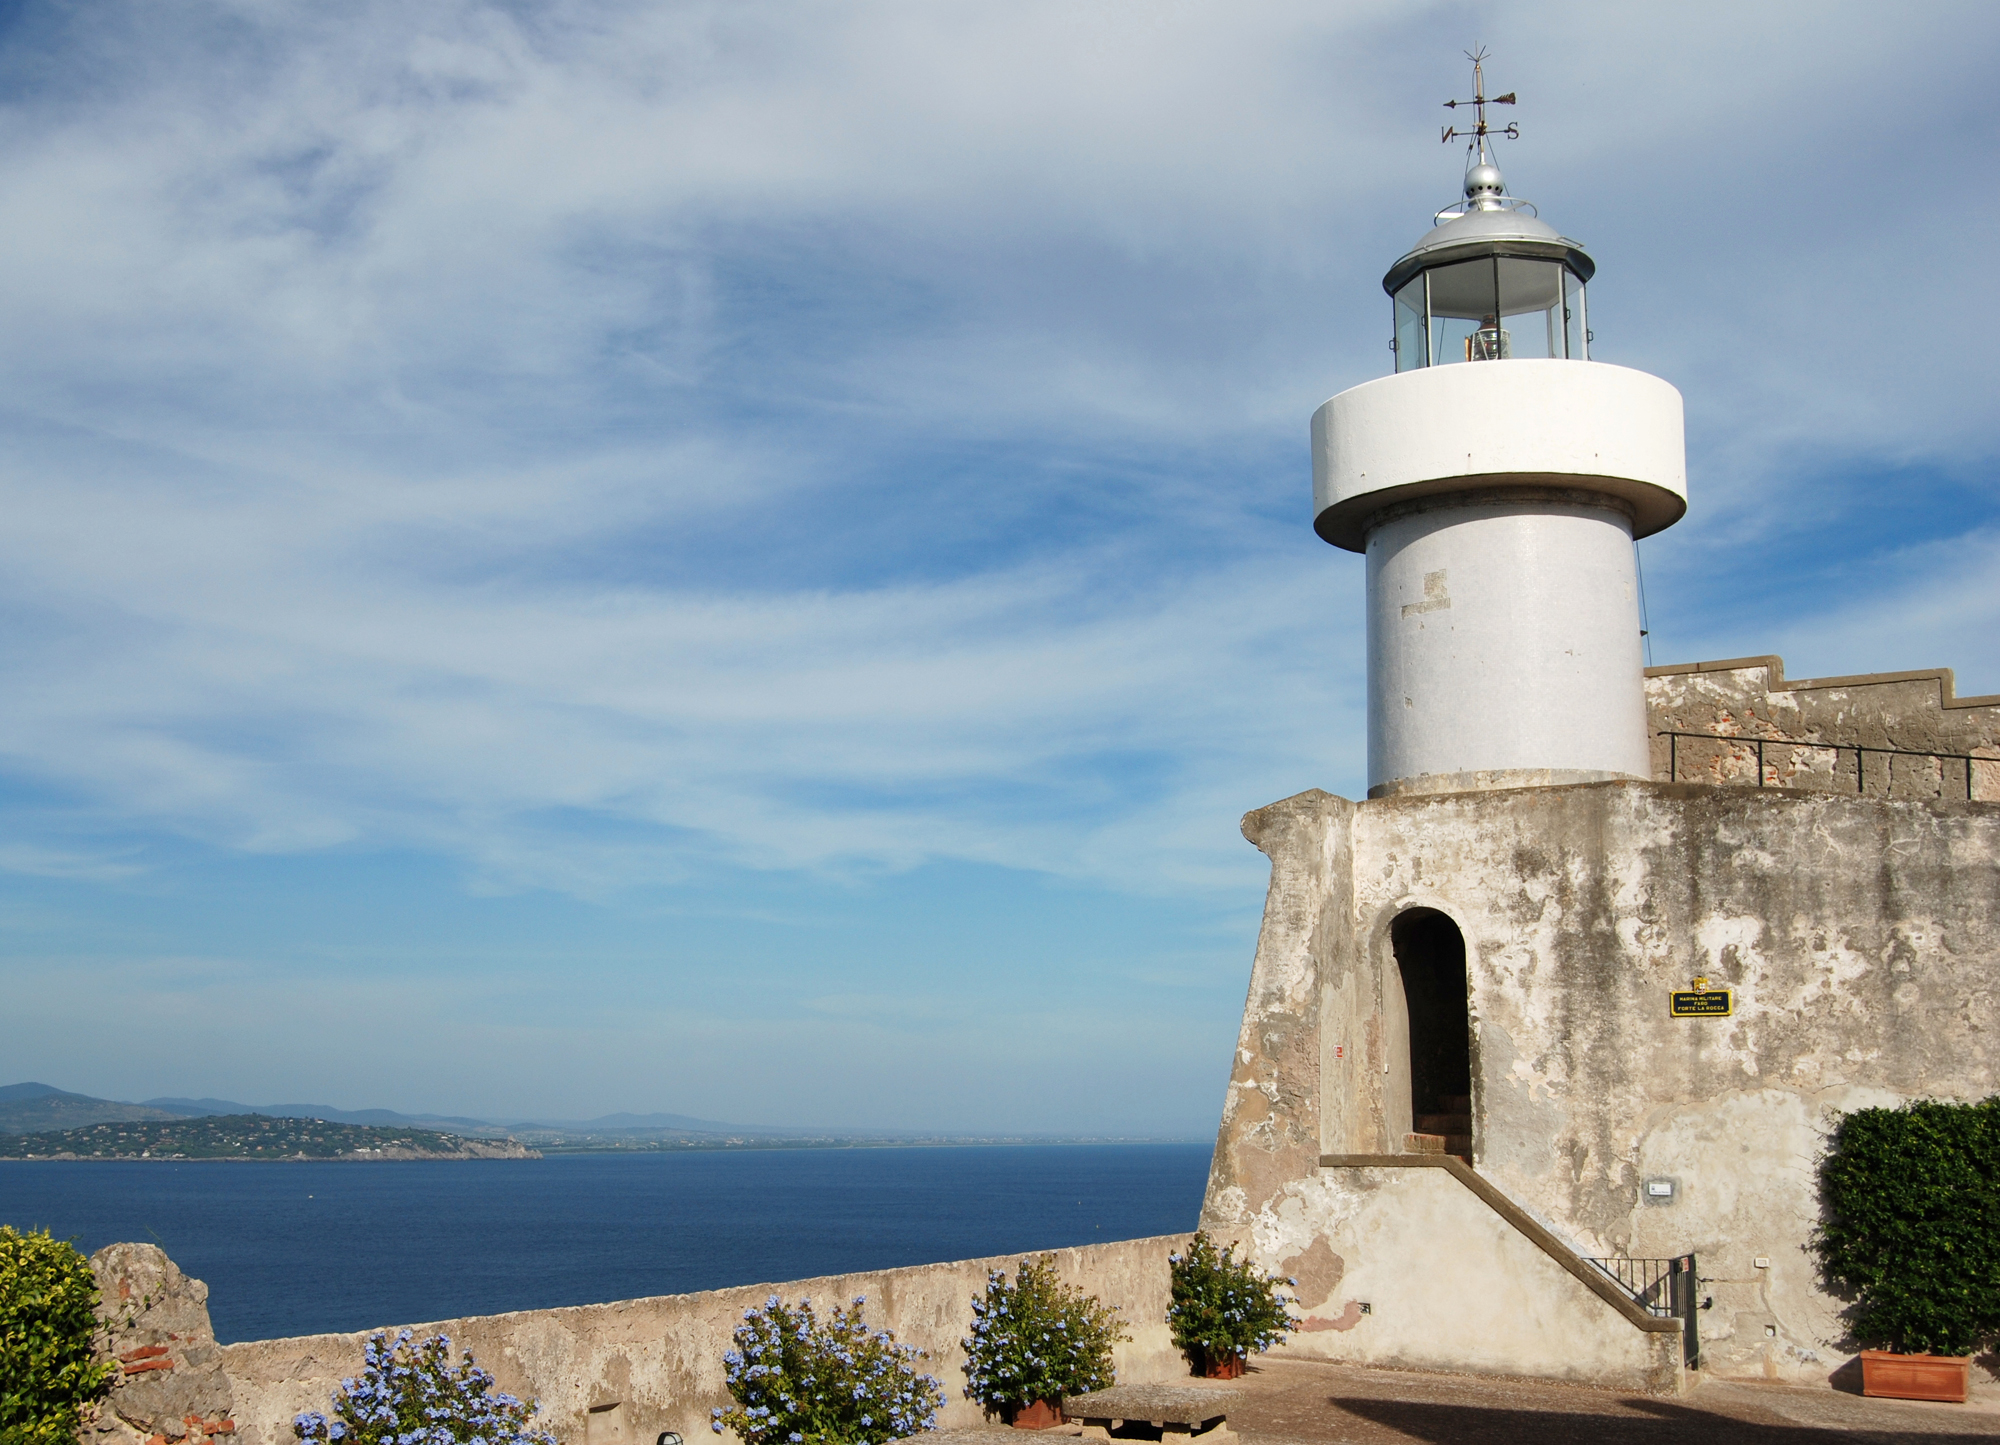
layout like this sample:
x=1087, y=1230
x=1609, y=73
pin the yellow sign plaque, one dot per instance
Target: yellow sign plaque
x=1702, y=1003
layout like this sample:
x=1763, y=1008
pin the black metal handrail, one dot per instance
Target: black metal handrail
x=1648, y=1281
x=1664, y=1288
x=1860, y=764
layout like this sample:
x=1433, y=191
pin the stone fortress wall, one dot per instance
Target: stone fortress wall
x=1860, y=936
x=1812, y=727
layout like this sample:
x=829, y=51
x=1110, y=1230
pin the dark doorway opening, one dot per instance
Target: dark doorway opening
x=1430, y=955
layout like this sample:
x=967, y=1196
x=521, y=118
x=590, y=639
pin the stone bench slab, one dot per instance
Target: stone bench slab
x=1155, y=1412
x=1188, y=1404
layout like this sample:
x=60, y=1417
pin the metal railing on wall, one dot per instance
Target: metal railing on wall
x=1860, y=756
x=1666, y=1288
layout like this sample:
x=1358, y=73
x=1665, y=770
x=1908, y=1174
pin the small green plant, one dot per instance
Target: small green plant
x=1912, y=1226
x=1224, y=1308
x=413, y=1395
x=49, y=1374
x=798, y=1381
x=1037, y=1339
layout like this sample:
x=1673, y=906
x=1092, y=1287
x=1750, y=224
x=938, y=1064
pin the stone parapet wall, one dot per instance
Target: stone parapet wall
x=1747, y=699
x=619, y=1374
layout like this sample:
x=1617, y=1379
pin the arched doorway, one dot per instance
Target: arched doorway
x=1430, y=965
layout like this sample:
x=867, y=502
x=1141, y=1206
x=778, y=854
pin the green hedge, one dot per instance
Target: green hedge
x=1912, y=1230
x=48, y=1378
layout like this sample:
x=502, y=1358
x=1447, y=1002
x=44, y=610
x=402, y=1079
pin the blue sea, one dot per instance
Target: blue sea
x=294, y=1249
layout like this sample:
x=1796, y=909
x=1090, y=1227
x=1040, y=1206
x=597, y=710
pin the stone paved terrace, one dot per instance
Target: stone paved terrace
x=1284, y=1402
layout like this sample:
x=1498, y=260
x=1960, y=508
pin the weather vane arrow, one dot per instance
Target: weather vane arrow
x=1480, y=100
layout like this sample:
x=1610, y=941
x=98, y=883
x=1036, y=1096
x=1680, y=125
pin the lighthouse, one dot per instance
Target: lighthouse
x=1496, y=483
x=1488, y=1102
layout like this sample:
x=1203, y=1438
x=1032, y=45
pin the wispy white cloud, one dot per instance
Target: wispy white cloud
x=357, y=346
x=97, y=866
x=251, y=674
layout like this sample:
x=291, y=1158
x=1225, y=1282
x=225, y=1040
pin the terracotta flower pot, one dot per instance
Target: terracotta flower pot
x=1219, y=1367
x=1916, y=1377
x=1037, y=1415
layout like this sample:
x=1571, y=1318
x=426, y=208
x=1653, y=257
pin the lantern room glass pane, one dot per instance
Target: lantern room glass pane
x=1530, y=307
x=1576, y=343
x=1465, y=338
x=1467, y=291
x=1465, y=312
x=1412, y=349
x=1493, y=308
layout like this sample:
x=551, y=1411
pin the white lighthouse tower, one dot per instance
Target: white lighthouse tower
x=1496, y=484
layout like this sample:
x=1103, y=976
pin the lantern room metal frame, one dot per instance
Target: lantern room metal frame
x=1487, y=282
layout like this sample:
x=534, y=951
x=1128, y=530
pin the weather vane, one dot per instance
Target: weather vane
x=1480, y=100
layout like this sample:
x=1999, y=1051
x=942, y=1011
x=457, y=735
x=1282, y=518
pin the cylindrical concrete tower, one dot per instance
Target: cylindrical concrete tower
x=1496, y=483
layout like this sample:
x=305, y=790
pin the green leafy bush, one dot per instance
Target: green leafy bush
x=413, y=1395
x=1037, y=1339
x=1224, y=1308
x=1912, y=1228
x=797, y=1381
x=49, y=1377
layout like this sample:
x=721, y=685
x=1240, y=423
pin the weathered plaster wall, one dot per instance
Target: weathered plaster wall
x=618, y=1374
x=1449, y=1284
x=1750, y=698
x=1862, y=938
x=1275, y=1122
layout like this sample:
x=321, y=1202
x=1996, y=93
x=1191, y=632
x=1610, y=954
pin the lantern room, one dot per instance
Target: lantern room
x=1490, y=282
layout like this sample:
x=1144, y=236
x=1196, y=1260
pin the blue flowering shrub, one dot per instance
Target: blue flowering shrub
x=1037, y=1339
x=799, y=1381
x=414, y=1395
x=1224, y=1308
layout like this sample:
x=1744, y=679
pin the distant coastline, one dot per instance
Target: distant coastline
x=39, y=1121
x=10, y=1152
x=248, y=1138
x=952, y=1141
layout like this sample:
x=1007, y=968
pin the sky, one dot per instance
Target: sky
x=746, y=559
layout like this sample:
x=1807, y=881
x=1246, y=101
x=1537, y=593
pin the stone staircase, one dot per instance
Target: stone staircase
x=1449, y=1132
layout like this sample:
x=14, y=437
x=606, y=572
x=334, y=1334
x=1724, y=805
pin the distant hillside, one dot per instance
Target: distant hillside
x=25, y=1108
x=674, y=1123
x=252, y=1136
x=38, y=1108
x=201, y=1108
